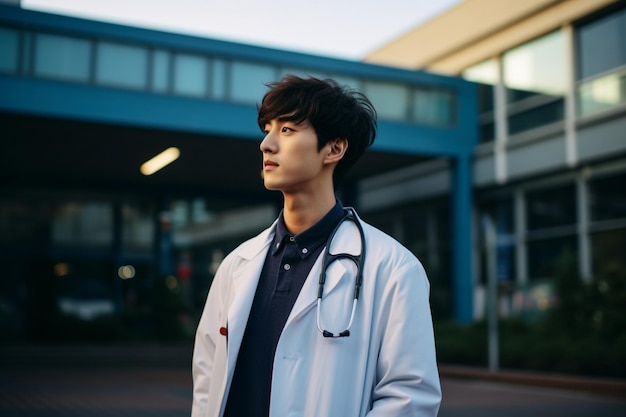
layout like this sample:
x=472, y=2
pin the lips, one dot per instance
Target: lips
x=269, y=164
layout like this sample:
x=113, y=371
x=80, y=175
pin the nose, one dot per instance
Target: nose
x=268, y=144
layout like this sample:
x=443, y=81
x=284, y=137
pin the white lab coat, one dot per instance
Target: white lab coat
x=385, y=368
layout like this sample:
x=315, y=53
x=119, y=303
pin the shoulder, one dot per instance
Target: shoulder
x=249, y=248
x=380, y=242
x=388, y=253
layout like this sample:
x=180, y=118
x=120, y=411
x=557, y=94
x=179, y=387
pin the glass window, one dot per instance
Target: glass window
x=180, y=214
x=485, y=98
x=552, y=207
x=608, y=250
x=190, y=75
x=248, y=81
x=62, y=57
x=122, y=65
x=199, y=211
x=433, y=107
x=218, y=79
x=602, y=93
x=83, y=224
x=537, y=67
x=536, y=116
x=28, y=40
x=548, y=256
x=601, y=48
x=138, y=227
x=601, y=44
x=349, y=82
x=9, y=47
x=160, y=71
x=487, y=130
x=390, y=100
x=303, y=73
x=607, y=198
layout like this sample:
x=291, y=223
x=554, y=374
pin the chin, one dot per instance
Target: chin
x=269, y=186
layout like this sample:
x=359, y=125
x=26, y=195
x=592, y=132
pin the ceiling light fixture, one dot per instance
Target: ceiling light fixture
x=160, y=161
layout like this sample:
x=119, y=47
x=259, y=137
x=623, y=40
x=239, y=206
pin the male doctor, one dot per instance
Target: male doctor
x=259, y=350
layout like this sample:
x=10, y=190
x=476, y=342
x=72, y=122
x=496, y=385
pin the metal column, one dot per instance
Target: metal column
x=463, y=280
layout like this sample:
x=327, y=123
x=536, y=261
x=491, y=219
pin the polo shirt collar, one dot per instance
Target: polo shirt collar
x=312, y=237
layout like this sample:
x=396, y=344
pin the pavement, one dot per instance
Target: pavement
x=155, y=381
x=607, y=387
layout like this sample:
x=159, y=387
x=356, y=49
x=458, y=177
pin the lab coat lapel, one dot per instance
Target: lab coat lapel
x=245, y=280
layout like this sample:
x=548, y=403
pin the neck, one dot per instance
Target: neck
x=302, y=212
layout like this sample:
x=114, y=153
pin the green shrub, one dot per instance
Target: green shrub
x=584, y=334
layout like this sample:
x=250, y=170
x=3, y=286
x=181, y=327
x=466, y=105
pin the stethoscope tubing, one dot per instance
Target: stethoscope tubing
x=329, y=258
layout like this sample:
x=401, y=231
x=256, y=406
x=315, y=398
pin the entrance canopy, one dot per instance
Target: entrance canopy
x=85, y=103
x=106, y=98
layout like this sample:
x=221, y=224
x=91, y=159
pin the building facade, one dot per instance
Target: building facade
x=92, y=249
x=550, y=168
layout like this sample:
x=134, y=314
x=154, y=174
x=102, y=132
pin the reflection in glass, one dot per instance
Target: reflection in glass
x=601, y=44
x=138, y=227
x=160, y=71
x=537, y=67
x=190, y=75
x=536, y=116
x=390, y=100
x=349, y=82
x=551, y=207
x=535, y=77
x=62, y=57
x=601, y=58
x=433, y=107
x=9, y=42
x=218, y=79
x=607, y=198
x=602, y=93
x=83, y=224
x=301, y=72
x=248, y=81
x=121, y=65
x=548, y=256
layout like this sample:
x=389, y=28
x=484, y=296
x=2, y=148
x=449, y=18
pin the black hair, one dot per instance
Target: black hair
x=334, y=112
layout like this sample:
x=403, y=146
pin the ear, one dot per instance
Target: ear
x=335, y=150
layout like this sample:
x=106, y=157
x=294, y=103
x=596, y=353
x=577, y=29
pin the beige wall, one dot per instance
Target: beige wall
x=475, y=30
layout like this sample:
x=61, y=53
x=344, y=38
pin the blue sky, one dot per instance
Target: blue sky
x=347, y=29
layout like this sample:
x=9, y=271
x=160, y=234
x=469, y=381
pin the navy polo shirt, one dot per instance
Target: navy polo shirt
x=288, y=263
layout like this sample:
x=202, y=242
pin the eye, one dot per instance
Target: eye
x=286, y=129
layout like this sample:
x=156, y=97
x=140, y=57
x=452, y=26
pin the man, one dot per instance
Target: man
x=262, y=346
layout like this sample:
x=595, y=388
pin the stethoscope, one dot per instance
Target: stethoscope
x=329, y=258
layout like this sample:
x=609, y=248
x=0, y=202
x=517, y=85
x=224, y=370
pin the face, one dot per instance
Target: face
x=291, y=160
